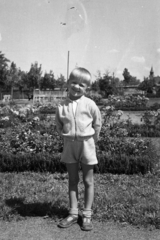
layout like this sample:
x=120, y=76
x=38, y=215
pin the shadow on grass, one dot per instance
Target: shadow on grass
x=37, y=209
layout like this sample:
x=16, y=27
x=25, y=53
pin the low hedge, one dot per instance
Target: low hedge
x=44, y=162
x=125, y=164
x=40, y=162
x=143, y=130
x=153, y=107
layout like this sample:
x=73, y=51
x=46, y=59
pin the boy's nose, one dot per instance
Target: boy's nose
x=76, y=86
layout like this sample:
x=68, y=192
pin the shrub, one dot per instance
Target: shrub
x=34, y=142
x=126, y=163
x=129, y=101
x=143, y=130
x=96, y=97
x=31, y=162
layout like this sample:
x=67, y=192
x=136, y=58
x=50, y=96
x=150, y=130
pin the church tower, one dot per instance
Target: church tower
x=151, y=74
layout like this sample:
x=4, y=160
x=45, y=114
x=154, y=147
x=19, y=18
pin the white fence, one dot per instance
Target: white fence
x=6, y=98
x=48, y=96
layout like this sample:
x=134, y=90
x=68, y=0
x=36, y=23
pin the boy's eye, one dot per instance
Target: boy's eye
x=81, y=85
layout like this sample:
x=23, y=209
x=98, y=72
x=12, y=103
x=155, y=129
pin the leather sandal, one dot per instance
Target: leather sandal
x=68, y=221
x=86, y=224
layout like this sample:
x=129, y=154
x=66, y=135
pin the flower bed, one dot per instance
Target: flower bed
x=129, y=102
x=35, y=138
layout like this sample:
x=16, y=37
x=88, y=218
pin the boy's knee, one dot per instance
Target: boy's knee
x=88, y=181
x=74, y=181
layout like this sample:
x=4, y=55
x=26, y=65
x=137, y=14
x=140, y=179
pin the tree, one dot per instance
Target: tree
x=109, y=84
x=12, y=77
x=61, y=82
x=126, y=76
x=95, y=86
x=129, y=79
x=3, y=69
x=147, y=85
x=23, y=79
x=48, y=81
x=34, y=76
x=134, y=81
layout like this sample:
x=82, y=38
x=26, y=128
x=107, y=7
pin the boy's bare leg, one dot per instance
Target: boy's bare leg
x=88, y=197
x=89, y=185
x=73, y=196
x=72, y=169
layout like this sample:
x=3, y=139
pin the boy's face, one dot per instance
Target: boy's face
x=76, y=88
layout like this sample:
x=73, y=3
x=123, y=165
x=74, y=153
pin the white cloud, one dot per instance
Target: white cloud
x=113, y=51
x=119, y=72
x=138, y=59
x=158, y=50
x=147, y=69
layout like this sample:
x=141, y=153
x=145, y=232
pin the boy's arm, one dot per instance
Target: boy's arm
x=97, y=122
x=59, y=125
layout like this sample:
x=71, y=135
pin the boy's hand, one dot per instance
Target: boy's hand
x=95, y=138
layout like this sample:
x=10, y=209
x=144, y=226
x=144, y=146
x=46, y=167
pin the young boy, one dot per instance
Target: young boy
x=78, y=121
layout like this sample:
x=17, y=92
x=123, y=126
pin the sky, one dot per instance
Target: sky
x=99, y=35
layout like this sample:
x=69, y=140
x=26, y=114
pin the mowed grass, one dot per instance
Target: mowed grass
x=153, y=101
x=133, y=199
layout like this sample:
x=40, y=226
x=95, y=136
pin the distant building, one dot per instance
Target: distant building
x=156, y=81
x=49, y=96
x=130, y=89
x=133, y=89
x=151, y=74
x=17, y=94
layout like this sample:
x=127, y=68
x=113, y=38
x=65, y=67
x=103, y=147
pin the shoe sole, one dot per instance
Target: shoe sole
x=86, y=229
x=62, y=226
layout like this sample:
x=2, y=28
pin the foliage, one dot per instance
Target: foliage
x=96, y=97
x=3, y=69
x=137, y=160
x=128, y=79
x=12, y=76
x=34, y=135
x=149, y=85
x=126, y=76
x=61, y=82
x=108, y=84
x=23, y=84
x=120, y=151
x=47, y=81
x=47, y=108
x=95, y=86
x=34, y=76
x=129, y=101
x=142, y=130
x=152, y=118
x=40, y=162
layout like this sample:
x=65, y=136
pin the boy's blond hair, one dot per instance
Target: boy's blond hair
x=82, y=74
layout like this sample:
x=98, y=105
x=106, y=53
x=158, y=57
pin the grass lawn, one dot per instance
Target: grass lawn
x=133, y=199
x=153, y=101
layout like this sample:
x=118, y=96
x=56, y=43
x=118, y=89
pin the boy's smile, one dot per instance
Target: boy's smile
x=76, y=88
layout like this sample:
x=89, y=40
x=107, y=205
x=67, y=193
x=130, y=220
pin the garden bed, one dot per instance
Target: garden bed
x=30, y=138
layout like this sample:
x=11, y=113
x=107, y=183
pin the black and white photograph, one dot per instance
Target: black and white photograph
x=79, y=119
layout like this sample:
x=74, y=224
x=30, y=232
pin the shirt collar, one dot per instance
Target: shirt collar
x=75, y=100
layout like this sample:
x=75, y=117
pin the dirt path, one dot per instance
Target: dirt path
x=46, y=229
